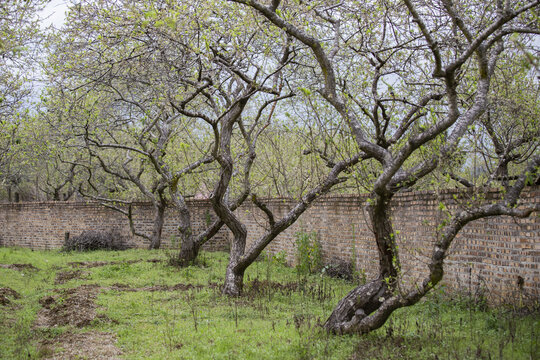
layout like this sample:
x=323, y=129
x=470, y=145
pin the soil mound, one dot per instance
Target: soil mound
x=74, y=307
x=92, y=264
x=177, y=287
x=259, y=287
x=6, y=293
x=18, y=267
x=63, y=277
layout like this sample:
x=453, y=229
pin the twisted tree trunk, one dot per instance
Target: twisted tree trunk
x=365, y=299
x=159, y=219
x=234, y=279
x=191, y=245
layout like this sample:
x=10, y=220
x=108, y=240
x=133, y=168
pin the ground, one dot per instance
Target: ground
x=133, y=305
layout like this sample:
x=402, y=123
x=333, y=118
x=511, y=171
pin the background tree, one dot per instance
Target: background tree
x=145, y=88
x=19, y=38
x=125, y=69
x=511, y=122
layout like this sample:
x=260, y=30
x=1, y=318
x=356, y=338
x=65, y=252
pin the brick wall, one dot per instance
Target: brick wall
x=42, y=225
x=489, y=255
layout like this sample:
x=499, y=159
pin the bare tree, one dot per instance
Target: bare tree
x=510, y=123
x=430, y=70
x=20, y=35
x=240, y=256
x=122, y=105
x=152, y=114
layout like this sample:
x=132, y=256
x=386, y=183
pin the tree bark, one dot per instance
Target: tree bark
x=379, y=214
x=353, y=310
x=191, y=246
x=359, y=303
x=234, y=279
x=234, y=276
x=159, y=219
x=188, y=251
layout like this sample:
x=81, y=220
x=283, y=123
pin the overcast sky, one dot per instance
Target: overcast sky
x=54, y=13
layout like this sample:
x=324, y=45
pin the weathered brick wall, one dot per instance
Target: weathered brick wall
x=42, y=225
x=490, y=254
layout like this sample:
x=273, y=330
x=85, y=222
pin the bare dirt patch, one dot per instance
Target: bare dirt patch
x=74, y=307
x=19, y=267
x=92, y=264
x=63, y=277
x=6, y=293
x=77, y=307
x=177, y=287
x=88, y=345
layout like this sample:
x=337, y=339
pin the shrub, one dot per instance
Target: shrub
x=340, y=269
x=95, y=240
x=308, y=253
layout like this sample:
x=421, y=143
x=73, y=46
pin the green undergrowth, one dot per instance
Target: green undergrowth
x=173, y=313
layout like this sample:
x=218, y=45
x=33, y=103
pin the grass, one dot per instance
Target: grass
x=277, y=318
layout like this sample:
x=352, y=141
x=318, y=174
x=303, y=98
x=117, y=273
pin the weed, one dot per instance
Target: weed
x=280, y=258
x=308, y=253
x=190, y=300
x=170, y=337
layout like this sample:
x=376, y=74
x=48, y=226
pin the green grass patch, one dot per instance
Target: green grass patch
x=157, y=311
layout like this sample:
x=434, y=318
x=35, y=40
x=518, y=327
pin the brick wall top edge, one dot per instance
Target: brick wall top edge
x=528, y=192
x=204, y=202
x=446, y=194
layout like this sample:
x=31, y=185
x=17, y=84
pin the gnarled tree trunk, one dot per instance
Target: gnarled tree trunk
x=234, y=280
x=188, y=251
x=234, y=276
x=379, y=214
x=353, y=309
x=191, y=245
x=356, y=305
x=159, y=219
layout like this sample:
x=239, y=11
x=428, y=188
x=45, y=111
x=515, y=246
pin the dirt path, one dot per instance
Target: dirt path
x=87, y=345
x=76, y=307
x=19, y=267
x=63, y=277
x=92, y=264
